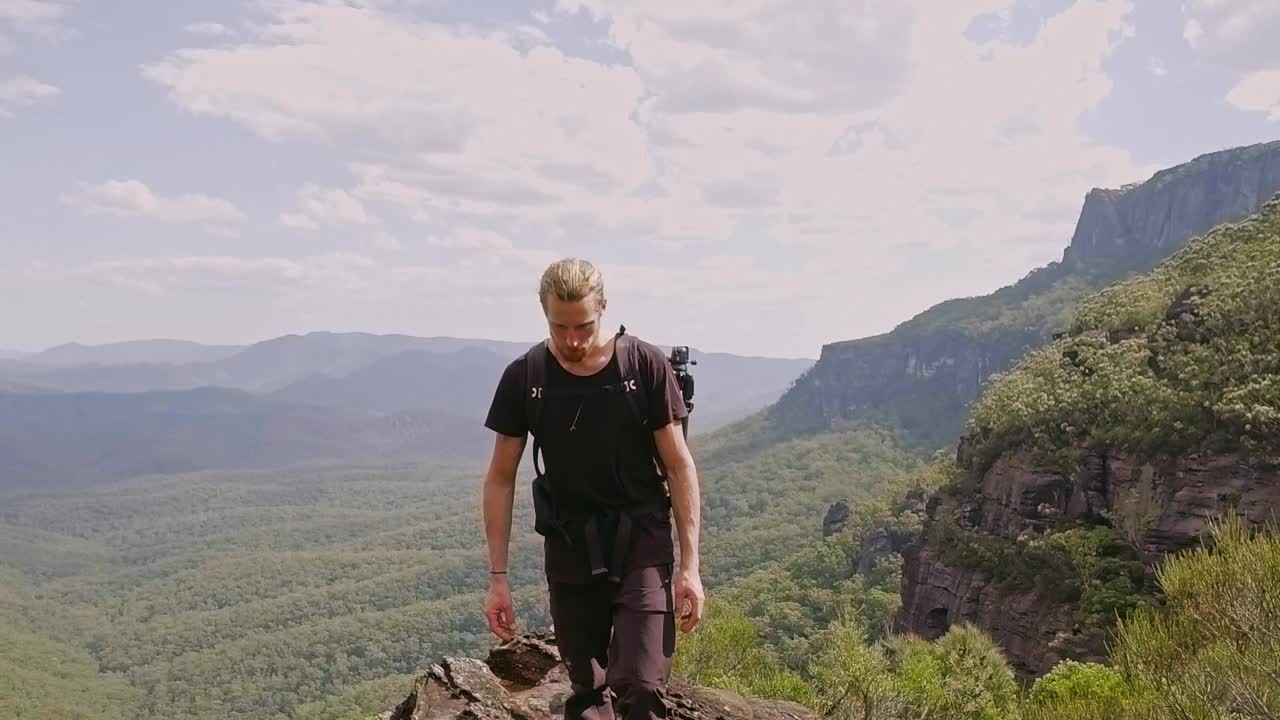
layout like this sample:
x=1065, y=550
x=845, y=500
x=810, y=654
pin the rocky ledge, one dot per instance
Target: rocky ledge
x=524, y=679
x=1159, y=507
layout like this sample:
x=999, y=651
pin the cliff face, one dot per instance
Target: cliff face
x=1158, y=507
x=524, y=679
x=922, y=376
x=1147, y=222
x=919, y=383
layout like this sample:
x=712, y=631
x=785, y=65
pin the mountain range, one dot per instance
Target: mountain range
x=78, y=414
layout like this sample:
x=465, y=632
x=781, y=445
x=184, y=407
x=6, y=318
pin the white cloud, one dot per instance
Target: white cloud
x=257, y=279
x=1158, y=67
x=133, y=199
x=1192, y=32
x=373, y=82
x=942, y=133
x=212, y=29
x=318, y=207
x=42, y=18
x=1240, y=35
x=470, y=238
x=23, y=91
x=383, y=240
x=804, y=153
x=31, y=14
x=823, y=55
x=324, y=281
x=1258, y=92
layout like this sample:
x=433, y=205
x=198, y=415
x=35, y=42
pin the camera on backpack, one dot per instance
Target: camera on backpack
x=680, y=363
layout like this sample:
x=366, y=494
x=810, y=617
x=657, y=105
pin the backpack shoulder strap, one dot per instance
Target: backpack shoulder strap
x=535, y=374
x=633, y=386
x=636, y=391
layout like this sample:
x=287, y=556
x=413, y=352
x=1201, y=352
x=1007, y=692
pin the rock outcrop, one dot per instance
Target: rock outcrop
x=1034, y=631
x=1157, y=506
x=524, y=679
x=1146, y=222
x=921, y=377
x=837, y=518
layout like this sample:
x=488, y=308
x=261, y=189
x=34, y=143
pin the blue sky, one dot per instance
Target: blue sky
x=756, y=177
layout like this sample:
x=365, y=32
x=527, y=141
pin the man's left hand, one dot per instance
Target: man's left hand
x=689, y=599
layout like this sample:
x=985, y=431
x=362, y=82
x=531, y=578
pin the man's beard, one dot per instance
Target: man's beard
x=576, y=355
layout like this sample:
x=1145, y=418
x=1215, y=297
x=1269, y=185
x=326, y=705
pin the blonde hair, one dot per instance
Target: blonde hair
x=571, y=280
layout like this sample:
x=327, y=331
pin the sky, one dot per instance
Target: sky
x=757, y=177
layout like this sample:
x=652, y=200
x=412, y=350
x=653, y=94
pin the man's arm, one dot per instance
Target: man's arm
x=499, y=496
x=686, y=501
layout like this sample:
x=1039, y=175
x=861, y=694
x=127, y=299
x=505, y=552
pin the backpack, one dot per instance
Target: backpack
x=635, y=392
x=605, y=532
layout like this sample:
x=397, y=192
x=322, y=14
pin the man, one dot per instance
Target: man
x=615, y=630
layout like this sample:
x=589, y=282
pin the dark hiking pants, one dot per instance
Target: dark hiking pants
x=616, y=638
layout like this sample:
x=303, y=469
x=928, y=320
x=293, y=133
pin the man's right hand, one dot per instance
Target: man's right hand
x=498, y=609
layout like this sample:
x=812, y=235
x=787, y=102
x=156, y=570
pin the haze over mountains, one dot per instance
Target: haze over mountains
x=77, y=414
x=165, y=352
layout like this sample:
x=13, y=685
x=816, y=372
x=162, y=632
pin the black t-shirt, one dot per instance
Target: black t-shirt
x=597, y=452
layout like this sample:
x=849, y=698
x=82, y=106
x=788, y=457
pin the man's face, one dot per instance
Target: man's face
x=574, y=326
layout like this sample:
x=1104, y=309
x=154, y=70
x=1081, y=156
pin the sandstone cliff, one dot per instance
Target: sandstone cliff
x=1156, y=506
x=524, y=679
x=1142, y=224
x=922, y=376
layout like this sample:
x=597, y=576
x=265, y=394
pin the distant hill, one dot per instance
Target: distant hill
x=274, y=364
x=921, y=377
x=372, y=372
x=261, y=367
x=9, y=386
x=359, y=398
x=726, y=387
x=160, y=351
x=460, y=382
x=60, y=440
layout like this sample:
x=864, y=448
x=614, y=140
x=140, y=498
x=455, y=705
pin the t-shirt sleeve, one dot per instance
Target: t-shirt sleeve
x=666, y=403
x=506, y=412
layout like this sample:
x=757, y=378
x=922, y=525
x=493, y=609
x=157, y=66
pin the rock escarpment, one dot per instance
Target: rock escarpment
x=1144, y=223
x=1157, y=506
x=918, y=383
x=524, y=679
x=921, y=377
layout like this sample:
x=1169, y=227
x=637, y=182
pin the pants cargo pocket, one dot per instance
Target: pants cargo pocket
x=647, y=589
x=643, y=644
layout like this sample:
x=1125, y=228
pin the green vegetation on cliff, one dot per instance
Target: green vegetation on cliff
x=1208, y=654
x=1091, y=568
x=1183, y=359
